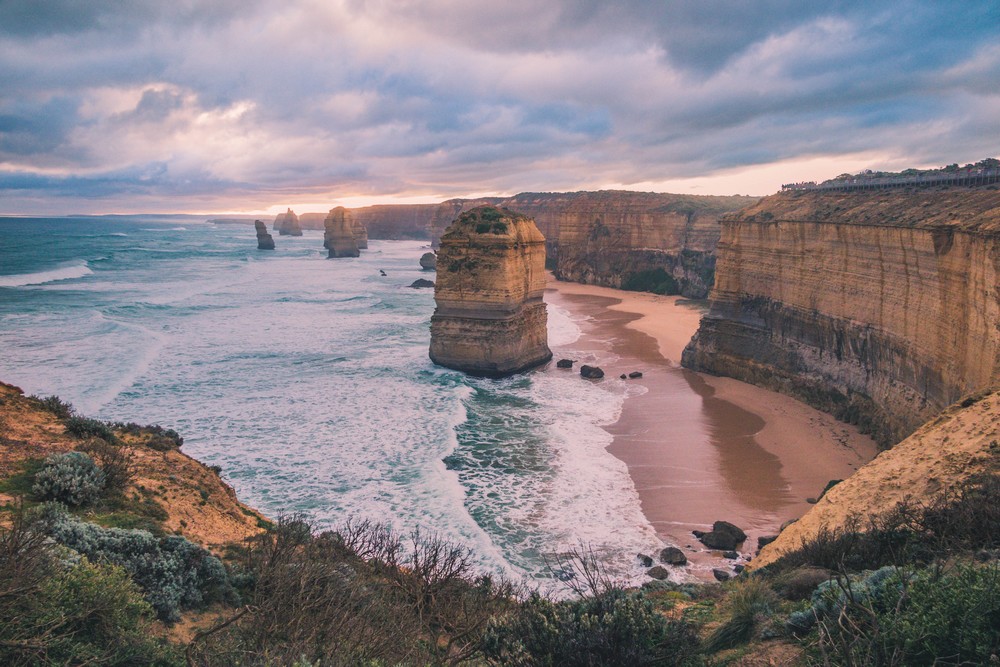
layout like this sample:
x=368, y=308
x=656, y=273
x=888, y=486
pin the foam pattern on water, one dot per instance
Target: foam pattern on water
x=307, y=380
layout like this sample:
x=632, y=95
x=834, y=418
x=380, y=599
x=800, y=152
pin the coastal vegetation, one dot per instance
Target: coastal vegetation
x=114, y=581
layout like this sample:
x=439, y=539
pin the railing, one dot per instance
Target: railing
x=967, y=177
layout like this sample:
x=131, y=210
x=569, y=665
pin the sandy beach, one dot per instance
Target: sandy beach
x=702, y=448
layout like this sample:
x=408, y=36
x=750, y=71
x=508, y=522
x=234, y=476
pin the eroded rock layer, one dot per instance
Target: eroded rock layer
x=360, y=234
x=338, y=235
x=634, y=240
x=490, y=319
x=879, y=307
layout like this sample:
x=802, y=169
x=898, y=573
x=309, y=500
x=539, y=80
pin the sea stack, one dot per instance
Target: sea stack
x=490, y=318
x=287, y=224
x=360, y=233
x=264, y=240
x=338, y=236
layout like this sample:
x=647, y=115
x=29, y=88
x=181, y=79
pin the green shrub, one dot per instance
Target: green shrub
x=60, y=611
x=71, y=478
x=613, y=628
x=156, y=437
x=933, y=617
x=116, y=461
x=55, y=405
x=173, y=573
x=751, y=602
x=84, y=427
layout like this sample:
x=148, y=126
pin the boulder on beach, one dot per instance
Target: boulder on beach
x=565, y=363
x=264, y=240
x=647, y=561
x=724, y=536
x=721, y=575
x=428, y=261
x=673, y=556
x=591, y=372
x=635, y=374
x=658, y=572
x=420, y=282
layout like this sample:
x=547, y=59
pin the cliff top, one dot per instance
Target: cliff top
x=170, y=493
x=965, y=209
x=489, y=221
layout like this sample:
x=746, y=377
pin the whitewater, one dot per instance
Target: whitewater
x=307, y=381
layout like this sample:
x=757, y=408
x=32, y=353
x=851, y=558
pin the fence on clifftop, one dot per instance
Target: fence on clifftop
x=966, y=177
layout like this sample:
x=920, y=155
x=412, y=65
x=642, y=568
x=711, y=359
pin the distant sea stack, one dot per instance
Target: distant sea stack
x=287, y=224
x=360, y=233
x=338, y=236
x=490, y=319
x=264, y=240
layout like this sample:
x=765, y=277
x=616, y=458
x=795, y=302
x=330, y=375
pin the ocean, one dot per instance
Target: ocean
x=307, y=381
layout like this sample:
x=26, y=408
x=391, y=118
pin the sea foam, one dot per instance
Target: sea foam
x=67, y=271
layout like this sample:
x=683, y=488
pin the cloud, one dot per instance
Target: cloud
x=231, y=104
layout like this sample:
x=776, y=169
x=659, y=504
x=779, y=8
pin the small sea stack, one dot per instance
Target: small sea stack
x=360, y=234
x=490, y=319
x=287, y=224
x=428, y=261
x=338, y=235
x=264, y=240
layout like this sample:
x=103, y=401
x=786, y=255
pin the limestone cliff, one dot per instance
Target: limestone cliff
x=879, y=307
x=633, y=240
x=287, y=224
x=339, y=237
x=264, y=240
x=490, y=319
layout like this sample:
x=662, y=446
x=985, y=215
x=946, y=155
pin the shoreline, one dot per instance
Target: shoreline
x=701, y=448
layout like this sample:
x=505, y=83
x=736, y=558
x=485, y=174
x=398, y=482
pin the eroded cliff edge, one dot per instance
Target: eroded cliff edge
x=490, y=318
x=879, y=307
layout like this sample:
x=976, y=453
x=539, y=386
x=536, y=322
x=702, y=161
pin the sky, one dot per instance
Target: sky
x=256, y=105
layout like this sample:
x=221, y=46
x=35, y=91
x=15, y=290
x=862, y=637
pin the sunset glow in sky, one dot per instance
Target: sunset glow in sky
x=253, y=106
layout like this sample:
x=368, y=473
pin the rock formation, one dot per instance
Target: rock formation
x=879, y=307
x=633, y=240
x=428, y=261
x=339, y=235
x=264, y=240
x=360, y=234
x=490, y=319
x=287, y=224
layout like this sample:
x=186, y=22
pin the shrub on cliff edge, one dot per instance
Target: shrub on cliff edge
x=71, y=478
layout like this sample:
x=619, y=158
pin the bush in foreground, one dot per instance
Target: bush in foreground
x=71, y=478
x=173, y=573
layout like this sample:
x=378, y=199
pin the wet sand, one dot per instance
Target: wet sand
x=701, y=448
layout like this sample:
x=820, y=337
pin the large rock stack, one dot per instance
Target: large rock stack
x=490, y=318
x=287, y=224
x=338, y=236
x=264, y=240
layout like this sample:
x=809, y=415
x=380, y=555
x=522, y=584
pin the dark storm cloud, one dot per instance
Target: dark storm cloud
x=149, y=99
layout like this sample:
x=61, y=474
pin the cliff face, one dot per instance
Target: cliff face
x=264, y=240
x=633, y=240
x=338, y=237
x=879, y=307
x=490, y=319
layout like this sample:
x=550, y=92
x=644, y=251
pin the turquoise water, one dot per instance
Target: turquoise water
x=307, y=380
